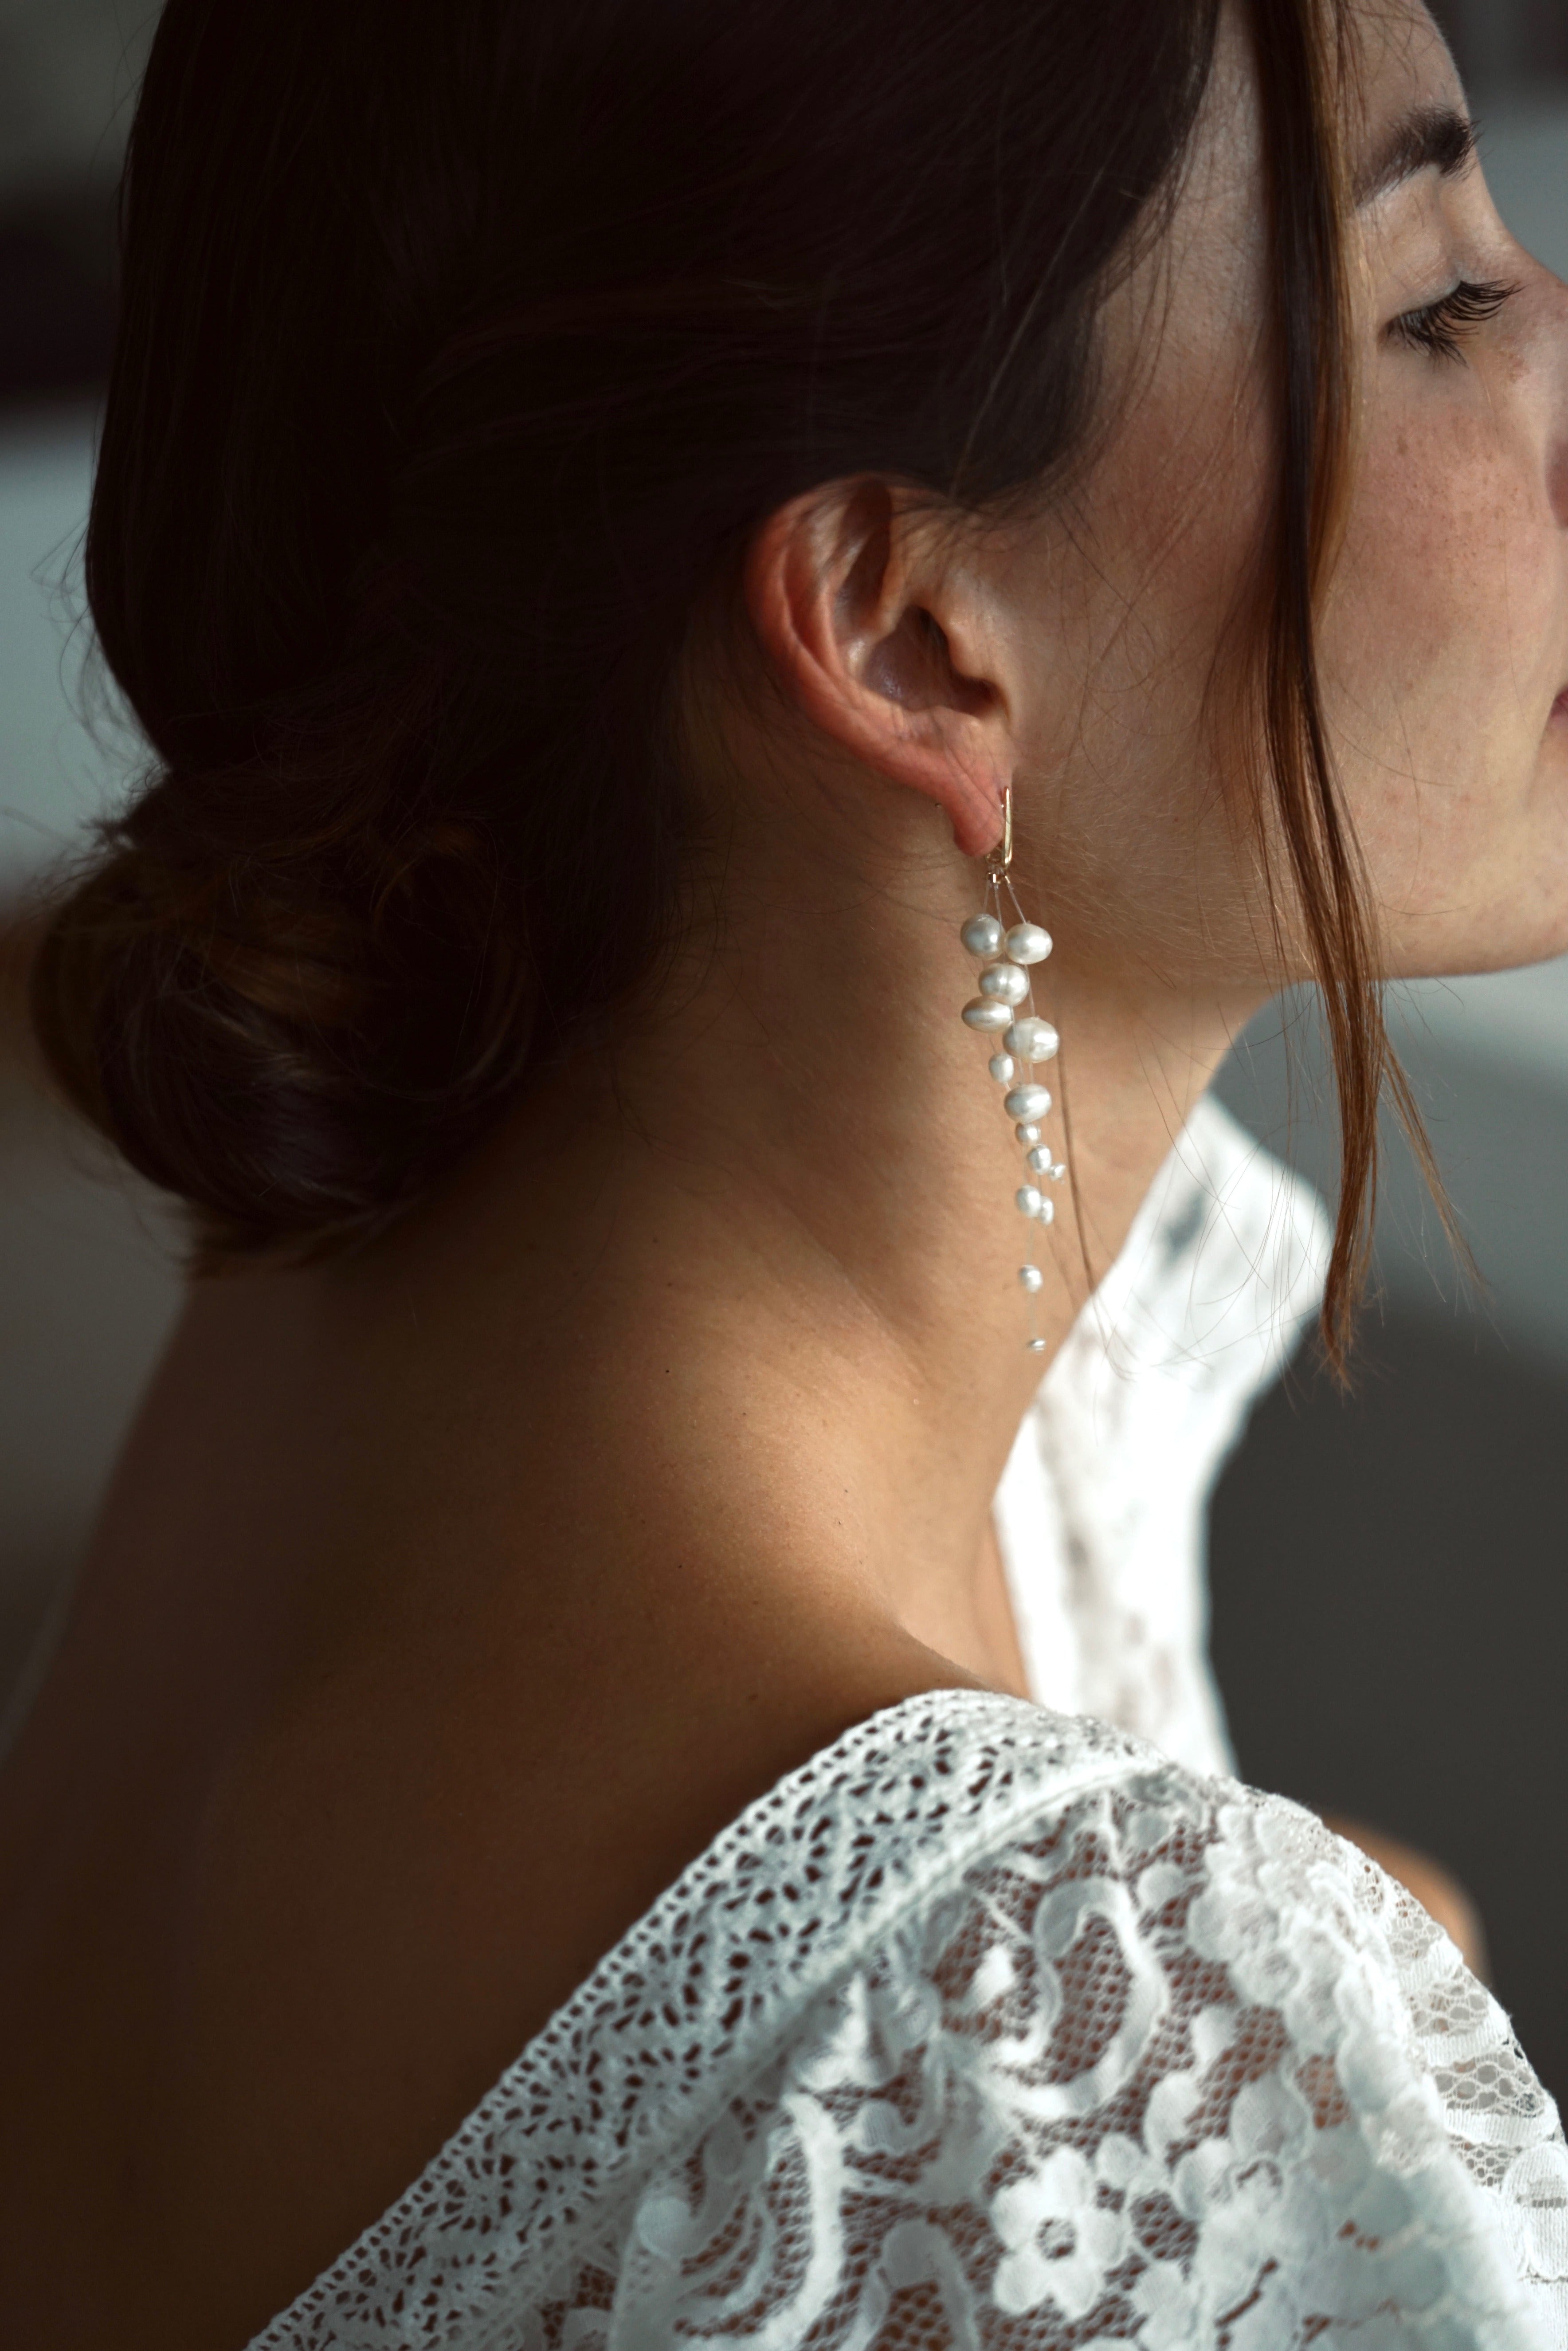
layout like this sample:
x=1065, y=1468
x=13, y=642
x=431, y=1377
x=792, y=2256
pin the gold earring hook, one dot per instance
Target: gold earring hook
x=1002, y=857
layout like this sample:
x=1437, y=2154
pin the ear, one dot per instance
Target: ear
x=890, y=651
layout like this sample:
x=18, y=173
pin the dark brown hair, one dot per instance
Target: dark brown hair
x=461, y=347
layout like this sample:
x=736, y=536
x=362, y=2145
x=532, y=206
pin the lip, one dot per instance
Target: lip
x=1559, y=714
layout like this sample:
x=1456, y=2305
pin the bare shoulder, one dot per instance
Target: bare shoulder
x=344, y=1781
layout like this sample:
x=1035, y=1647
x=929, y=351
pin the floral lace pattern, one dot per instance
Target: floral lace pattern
x=993, y=2027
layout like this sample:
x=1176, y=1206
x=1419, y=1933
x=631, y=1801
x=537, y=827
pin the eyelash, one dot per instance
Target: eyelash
x=1442, y=329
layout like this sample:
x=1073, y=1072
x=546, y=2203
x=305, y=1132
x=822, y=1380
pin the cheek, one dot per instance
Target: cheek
x=1442, y=634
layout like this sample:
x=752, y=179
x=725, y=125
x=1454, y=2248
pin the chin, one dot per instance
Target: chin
x=1469, y=947
x=1494, y=896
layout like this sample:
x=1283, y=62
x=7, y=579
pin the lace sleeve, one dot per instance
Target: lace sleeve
x=1171, y=2067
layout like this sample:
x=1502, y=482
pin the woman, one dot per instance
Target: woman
x=616, y=520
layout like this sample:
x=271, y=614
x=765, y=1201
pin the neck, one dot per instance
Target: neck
x=770, y=1235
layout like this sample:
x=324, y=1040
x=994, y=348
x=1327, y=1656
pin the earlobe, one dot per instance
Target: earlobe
x=845, y=594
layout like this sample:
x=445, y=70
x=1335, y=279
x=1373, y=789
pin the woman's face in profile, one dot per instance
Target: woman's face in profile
x=1444, y=637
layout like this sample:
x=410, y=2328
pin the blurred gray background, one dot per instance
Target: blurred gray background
x=1390, y=1601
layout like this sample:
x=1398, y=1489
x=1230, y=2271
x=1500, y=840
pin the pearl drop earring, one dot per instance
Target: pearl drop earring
x=1004, y=1010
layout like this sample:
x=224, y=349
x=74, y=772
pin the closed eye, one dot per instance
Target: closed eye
x=1441, y=328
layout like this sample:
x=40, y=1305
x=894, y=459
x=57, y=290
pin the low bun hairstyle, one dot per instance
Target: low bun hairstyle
x=462, y=345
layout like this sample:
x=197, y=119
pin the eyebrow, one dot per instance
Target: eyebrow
x=1430, y=136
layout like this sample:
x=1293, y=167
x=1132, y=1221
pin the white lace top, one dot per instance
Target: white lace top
x=1101, y=1511
x=994, y=2025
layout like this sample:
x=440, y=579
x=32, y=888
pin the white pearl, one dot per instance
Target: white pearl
x=1039, y=1158
x=1047, y=1211
x=1006, y=982
x=1027, y=943
x=1059, y=1171
x=1033, y=1040
x=1030, y=1277
x=1026, y=1102
x=985, y=1012
x=1035, y=1346
x=1029, y=1201
x=1002, y=1067
x=1027, y=1133
x=982, y=935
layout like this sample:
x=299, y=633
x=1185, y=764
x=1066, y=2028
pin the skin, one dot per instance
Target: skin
x=450, y=1599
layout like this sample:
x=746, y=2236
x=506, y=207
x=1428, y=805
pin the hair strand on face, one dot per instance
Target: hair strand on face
x=1305, y=60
